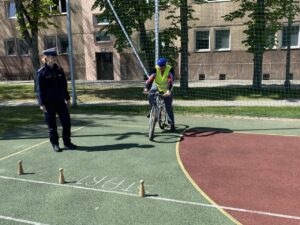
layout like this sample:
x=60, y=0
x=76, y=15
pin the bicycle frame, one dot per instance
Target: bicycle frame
x=158, y=113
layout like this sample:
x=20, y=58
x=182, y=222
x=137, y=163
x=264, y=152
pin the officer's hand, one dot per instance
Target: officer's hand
x=68, y=103
x=145, y=91
x=43, y=108
x=167, y=93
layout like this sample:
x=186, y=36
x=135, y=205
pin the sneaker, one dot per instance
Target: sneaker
x=70, y=146
x=56, y=148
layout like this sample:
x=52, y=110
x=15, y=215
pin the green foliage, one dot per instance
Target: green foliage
x=134, y=15
x=131, y=14
x=288, y=8
x=263, y=22
x=33, y=15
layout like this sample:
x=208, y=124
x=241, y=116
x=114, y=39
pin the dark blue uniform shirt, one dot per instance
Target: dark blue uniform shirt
x=51, y=86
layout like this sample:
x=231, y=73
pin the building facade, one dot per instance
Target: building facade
x=216, y=51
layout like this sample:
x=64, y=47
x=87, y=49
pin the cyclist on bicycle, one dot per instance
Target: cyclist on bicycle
x=161, y=79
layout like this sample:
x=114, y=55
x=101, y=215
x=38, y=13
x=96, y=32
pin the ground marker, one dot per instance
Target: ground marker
x=61, y=176
x=142, y=189
x=20, y=168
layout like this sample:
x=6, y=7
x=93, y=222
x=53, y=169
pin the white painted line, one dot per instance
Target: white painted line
x=21, y=221
x=230, y=208
x=161, y=199
x=69, y=186
x=24, y=150
x=31, y=147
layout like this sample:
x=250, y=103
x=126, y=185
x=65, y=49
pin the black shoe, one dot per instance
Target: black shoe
x=56, y=148
x=173, y=129
x=70, y=146
x=148, y=115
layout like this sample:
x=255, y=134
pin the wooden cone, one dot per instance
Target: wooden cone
x=20, y=168
x=142, y=189
x=61, y=176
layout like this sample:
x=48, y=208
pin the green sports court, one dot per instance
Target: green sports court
x=102, y=177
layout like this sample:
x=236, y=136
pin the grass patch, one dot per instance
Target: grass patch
x=93, y=93
x=13, y=117
x=16, y=92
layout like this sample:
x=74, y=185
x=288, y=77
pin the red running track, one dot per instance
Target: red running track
x=247, y=171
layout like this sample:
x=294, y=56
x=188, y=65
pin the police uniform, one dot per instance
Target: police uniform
x=52, y=92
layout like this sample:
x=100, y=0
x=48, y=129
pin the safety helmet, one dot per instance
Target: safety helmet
x=161, y=62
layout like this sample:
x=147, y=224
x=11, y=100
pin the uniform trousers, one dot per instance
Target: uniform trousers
x=61, y=109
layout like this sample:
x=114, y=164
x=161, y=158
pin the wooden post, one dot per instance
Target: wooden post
x=142, y=189
x=61, y=176
x=20, y=168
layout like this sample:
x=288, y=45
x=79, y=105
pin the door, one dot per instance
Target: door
x=105, y=68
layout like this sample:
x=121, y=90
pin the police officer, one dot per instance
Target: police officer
x=53, y=98
x=161, y=79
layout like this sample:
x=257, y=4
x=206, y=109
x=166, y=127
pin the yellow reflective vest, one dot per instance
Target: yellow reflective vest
x=161, y=81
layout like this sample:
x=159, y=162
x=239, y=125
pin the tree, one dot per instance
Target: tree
x=182, y=32
x=182, y=19
x=289, y=9
x=134, y=14
x=261, y=27
x=31, y=16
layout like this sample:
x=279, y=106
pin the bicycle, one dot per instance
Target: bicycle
x=157, y=113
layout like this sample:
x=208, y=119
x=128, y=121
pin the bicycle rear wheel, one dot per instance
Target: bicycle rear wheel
x=152, y=121
x=162, y=122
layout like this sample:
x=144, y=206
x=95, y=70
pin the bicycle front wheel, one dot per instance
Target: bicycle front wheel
x=152, y=122
x=162, y=122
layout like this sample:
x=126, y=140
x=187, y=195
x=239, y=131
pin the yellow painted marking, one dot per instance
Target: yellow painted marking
x=198, y=188
x=31, y=147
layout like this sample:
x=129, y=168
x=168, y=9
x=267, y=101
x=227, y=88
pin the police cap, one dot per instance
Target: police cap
x=50, y=52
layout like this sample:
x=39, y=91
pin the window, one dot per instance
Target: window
x=202, y=40
x=222, y=76
x=102, y=37
x=23, y=47
x=294, y=36
x=10, y=47
x=63, y=44
x=11, y=9
x=222, y=38
x=201, y=76
x=272, y=41
x=59, y=42
x=266, y=76
x=100, y=21
x=216, y=0
x=50, y=42
x=60, y=6
x=15, y=47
